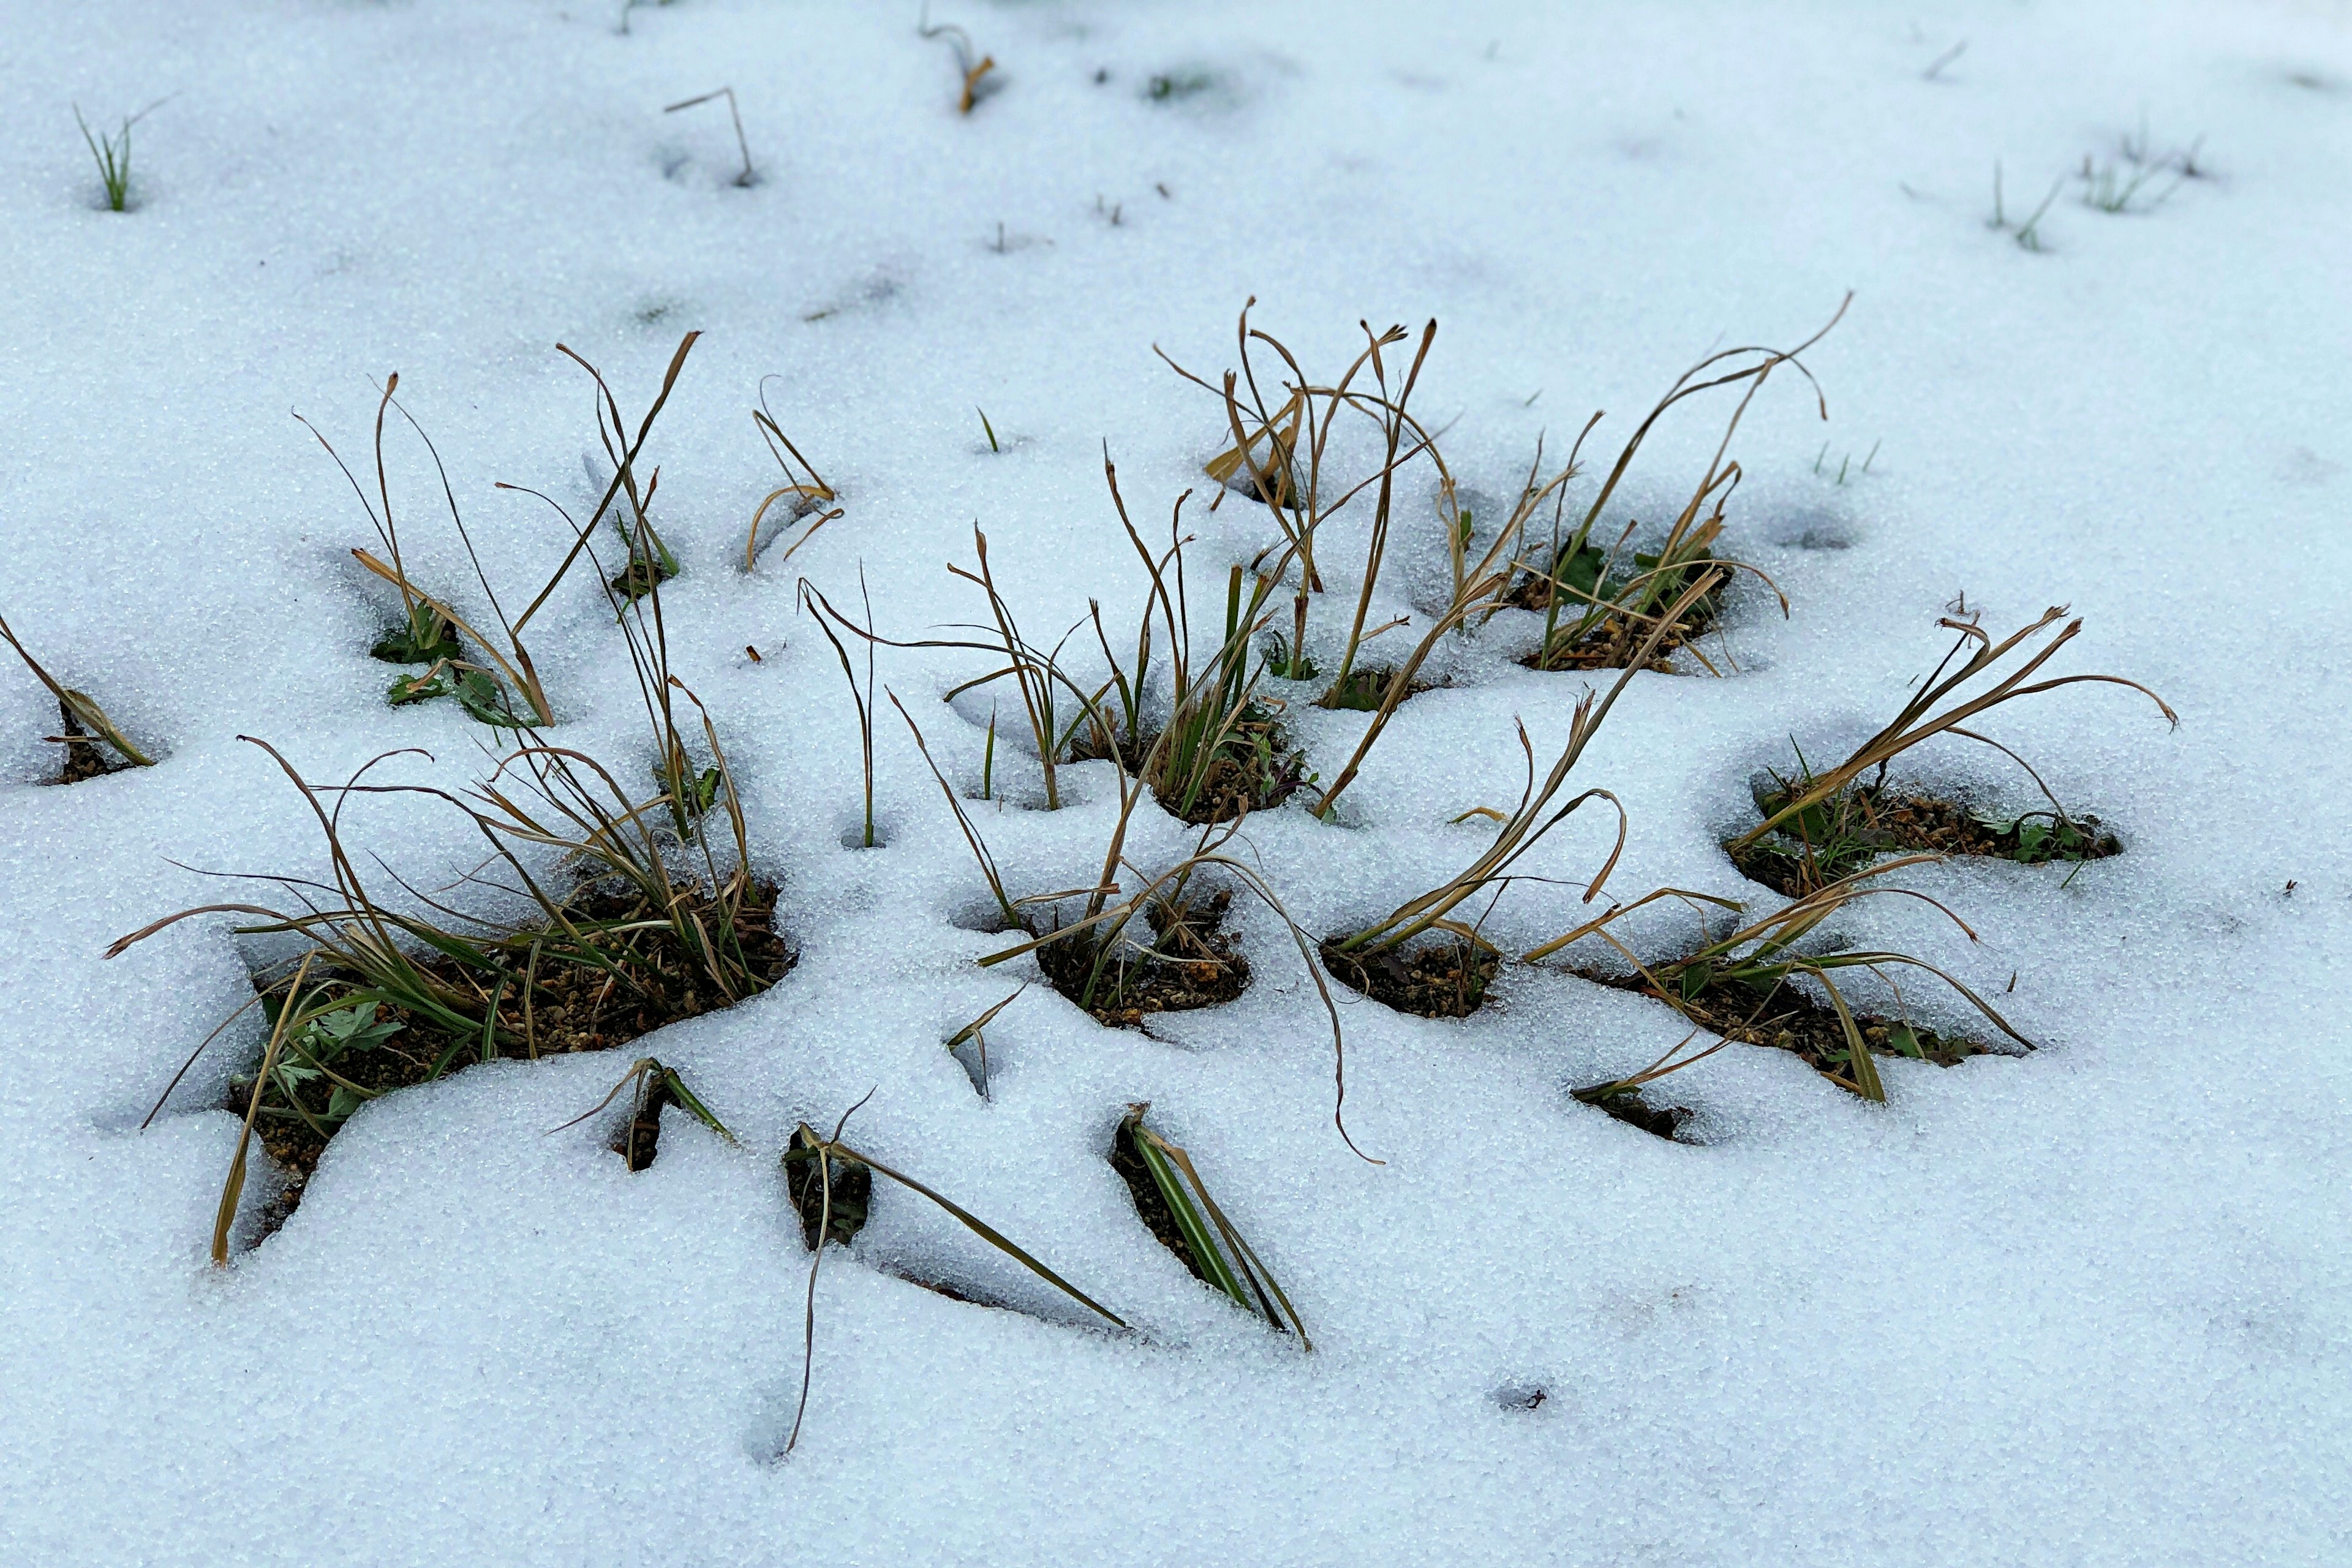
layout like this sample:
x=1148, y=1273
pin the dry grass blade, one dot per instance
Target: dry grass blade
x=807, y=1148
x=977, y=1033
x=79, y=709
x=803, y=493
x=233, y=1188
x=746, y=177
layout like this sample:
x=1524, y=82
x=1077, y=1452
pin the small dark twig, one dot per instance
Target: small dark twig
x=746, y=178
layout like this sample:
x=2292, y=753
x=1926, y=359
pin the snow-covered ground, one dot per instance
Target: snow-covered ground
x=2092, y=1305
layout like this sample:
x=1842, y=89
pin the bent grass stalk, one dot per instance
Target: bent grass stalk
x=800, y=496
x=78, y=708
x=808, y=1149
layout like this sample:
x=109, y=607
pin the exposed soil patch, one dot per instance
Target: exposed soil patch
x=1190, y=963
x=1842, y=836
x=1444, y=979
x=1628, y=1106
x=573, y=1008
x=1617, y=637
x=1150, y=1202
x=1791, y=1020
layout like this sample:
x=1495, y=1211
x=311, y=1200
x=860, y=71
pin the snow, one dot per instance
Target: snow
x=2086, y=1306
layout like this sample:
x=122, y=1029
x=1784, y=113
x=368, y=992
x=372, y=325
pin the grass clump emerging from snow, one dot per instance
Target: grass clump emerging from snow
x=631, y=907
x=1817, y=828
x=1747, y=985
x=1174, y=1205
x=1600, y=600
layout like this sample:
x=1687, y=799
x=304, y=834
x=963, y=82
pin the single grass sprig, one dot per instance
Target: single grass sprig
x=111, y=153
x=1204, y=1237
x=816, y=1173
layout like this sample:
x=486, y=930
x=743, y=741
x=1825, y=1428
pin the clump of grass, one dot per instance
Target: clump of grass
x=1175, y=1205
x=633, y=911
x=89, y=733
x=1818, y=826
x=1149, y=946
x=1221, y=751
x=830, y=1186
x=803, y=493
x=1740, y=986
x=1599, y=599
x=746, y=178
x=111, y=152
x=1393, y=959
x=499, y=686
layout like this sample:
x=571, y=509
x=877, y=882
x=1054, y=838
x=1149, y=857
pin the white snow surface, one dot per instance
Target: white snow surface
x=2085, y=1306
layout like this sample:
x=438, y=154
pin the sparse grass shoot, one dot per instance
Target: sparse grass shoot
x=747, y=178
x=1175, y=1204
x=88, y=731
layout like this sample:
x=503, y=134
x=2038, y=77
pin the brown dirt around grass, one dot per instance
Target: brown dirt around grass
x=1192, y=964
x=1888, y=821
x=574, y=1009
x=1446, y=980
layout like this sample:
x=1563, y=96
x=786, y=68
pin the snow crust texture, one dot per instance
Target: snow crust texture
x=2085, y=1306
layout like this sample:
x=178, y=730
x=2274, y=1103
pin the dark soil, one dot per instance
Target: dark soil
x=1884, y=821
x=572, y=1010
x=1201, y=969
x=1791, y=1020
x=852, y=1192
x=1150, y=1202
x=1612, y=644
x=1628, y=1106
x=87, y=757
x=1448, y=980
